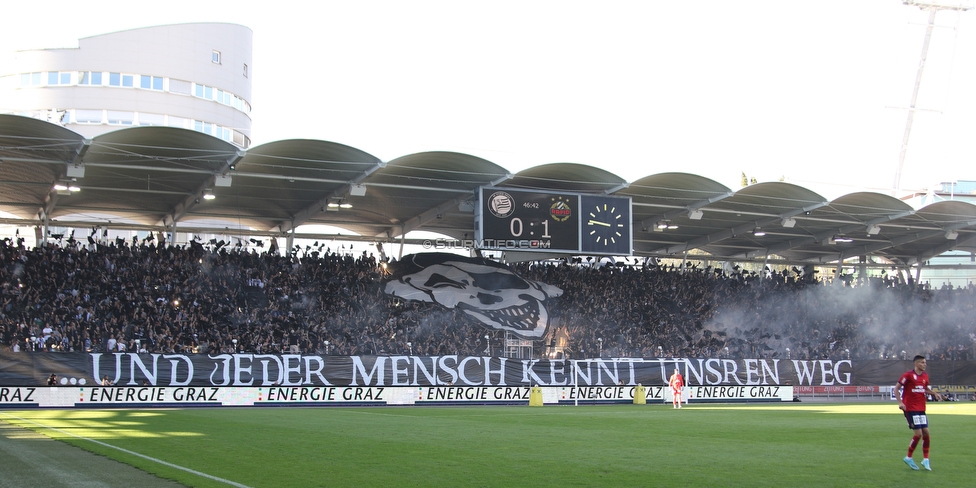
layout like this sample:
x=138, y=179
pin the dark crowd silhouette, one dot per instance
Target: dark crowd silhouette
x=143, y=297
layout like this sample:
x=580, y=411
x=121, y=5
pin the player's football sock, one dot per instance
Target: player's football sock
x=925, y=464
x=926, y=443
x=912, y=445
x=911, y=463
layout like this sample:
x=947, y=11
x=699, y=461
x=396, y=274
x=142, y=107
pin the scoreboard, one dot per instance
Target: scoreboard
x=532, y=220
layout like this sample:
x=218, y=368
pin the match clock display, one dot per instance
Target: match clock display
x=606, y=223
x=571, y=223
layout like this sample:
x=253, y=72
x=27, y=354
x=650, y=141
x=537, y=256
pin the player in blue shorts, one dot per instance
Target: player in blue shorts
x=910, y=392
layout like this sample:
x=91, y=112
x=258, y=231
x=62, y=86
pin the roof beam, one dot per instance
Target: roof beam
x=315, y=208
x=183, y=207
x=147, y=167
x=51, y=200
x=948, y=246
x=679, y=211
x=792, y=243
x=877, y=246
x=427, y=216
x=501, y=180
x=431, y=214
x=286, y=226
x=739, y=229
x=81, y=151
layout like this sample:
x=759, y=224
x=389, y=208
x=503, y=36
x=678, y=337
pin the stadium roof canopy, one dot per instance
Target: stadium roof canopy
x=152, y=178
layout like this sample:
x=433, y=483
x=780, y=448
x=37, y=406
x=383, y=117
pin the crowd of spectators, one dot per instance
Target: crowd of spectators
x=653, y=311
x=143, y=297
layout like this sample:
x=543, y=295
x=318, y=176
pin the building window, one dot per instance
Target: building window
x=152, y=119
x=88, y=116
x=151, y=82
x=245, y=70
x=180, y=86
x=119, y=118
x=118, y=79
x=58, y=78
x=28, y=79
x=89, y=77
x=174, y=121
x=215, y=57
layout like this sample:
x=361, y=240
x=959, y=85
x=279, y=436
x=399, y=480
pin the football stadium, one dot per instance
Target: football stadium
x=181, y=305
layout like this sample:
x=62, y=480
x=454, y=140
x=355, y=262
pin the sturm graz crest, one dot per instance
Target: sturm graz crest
x=501, y=204
x=487, y=291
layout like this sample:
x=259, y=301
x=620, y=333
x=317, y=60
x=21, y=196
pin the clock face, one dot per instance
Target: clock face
x=606, y=225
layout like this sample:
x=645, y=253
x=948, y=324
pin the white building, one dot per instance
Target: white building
x=194, y=76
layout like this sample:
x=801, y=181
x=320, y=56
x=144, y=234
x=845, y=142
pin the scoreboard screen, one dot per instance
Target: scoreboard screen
x=532, y=220
x=529, y=220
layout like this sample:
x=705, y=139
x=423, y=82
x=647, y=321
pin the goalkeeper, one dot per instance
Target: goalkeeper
x=676, y=382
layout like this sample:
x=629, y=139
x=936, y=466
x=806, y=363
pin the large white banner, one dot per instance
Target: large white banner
x=266, y=370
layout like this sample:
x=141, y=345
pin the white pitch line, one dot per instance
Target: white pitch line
x=133, y=453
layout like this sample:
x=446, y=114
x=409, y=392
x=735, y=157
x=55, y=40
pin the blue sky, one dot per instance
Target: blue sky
x=813, y=92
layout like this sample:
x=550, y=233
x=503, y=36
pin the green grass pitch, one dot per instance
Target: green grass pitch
x=796, y=444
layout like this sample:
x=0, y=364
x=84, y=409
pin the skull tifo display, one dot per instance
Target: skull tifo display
x=483, y=289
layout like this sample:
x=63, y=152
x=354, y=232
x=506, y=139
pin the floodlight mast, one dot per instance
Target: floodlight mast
x=933, y=7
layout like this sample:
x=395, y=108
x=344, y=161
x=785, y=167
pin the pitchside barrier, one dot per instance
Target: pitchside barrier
x=958, y=392
x=845, y=392
x=156, y=396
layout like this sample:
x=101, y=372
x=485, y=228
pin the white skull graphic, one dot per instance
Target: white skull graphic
x=483, y=289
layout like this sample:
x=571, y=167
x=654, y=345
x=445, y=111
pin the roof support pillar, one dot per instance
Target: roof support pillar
x=403, y=237
x=379, y=247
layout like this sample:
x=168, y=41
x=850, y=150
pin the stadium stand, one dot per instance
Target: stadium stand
x=199, y=299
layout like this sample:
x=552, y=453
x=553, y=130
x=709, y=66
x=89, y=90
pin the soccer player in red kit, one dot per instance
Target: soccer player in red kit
x=910, y=392
x=676, y=382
